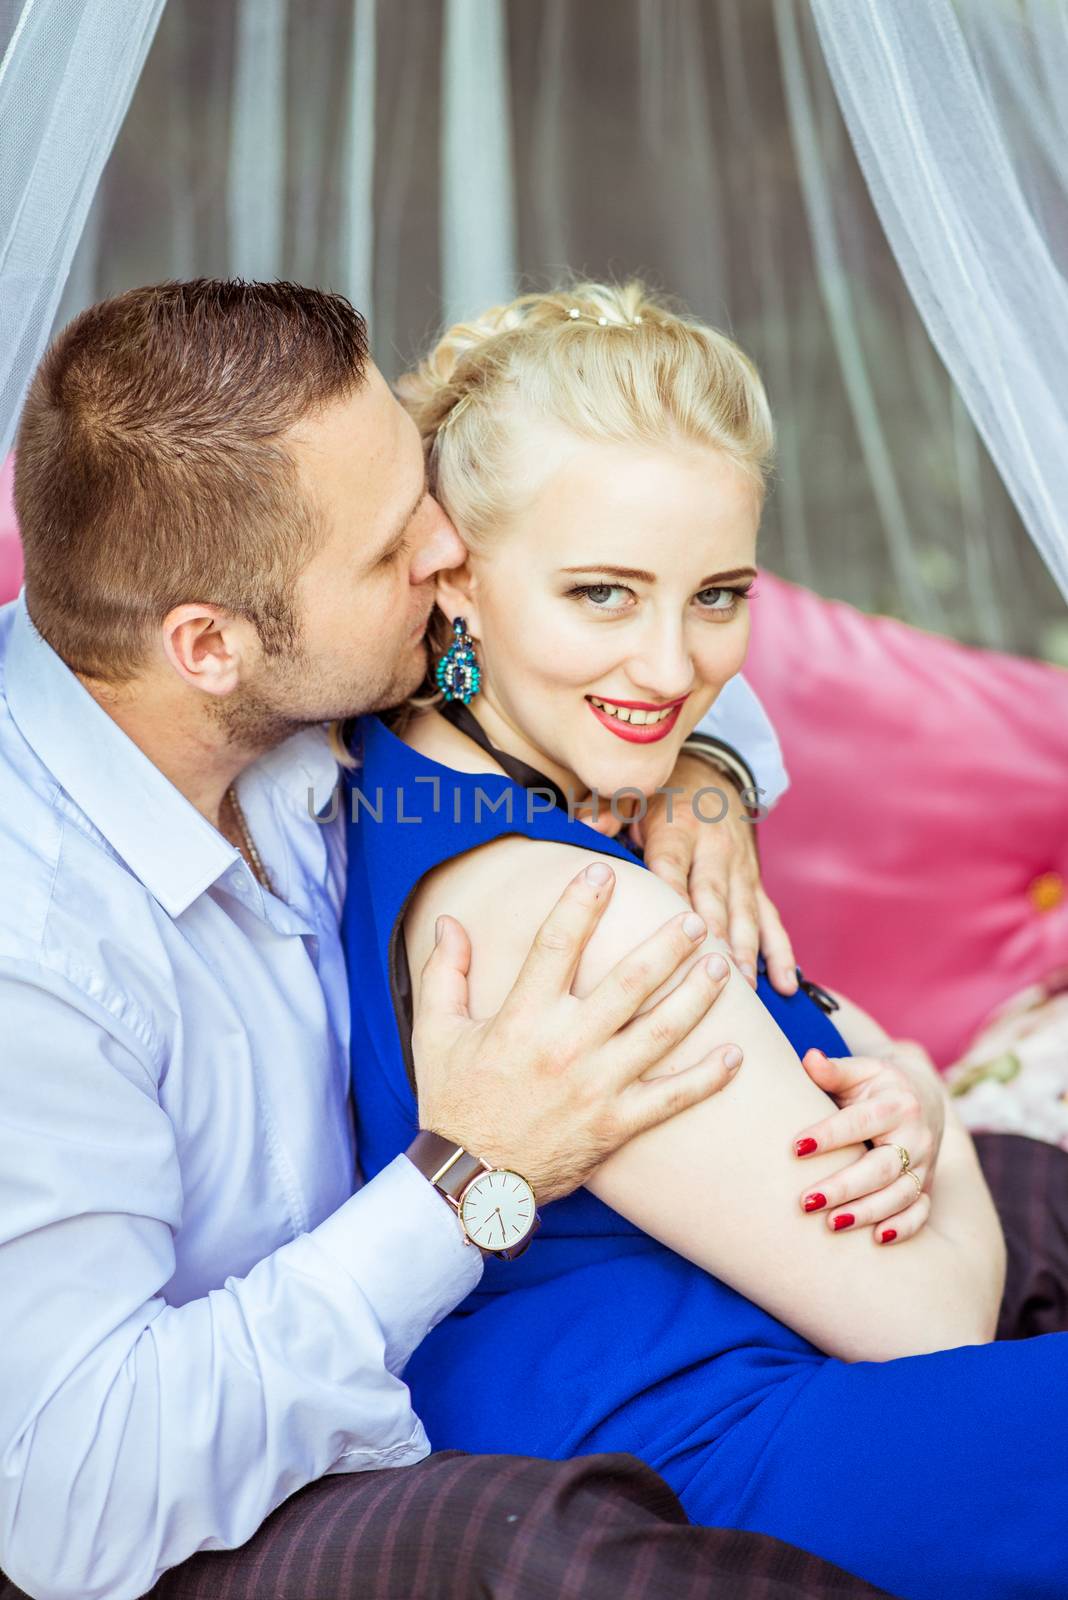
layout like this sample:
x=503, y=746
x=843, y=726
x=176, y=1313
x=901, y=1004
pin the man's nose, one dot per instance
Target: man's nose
x=440, y=549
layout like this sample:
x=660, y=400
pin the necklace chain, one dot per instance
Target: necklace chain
x=246, y=838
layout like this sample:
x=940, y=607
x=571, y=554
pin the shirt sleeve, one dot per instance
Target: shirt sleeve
x=134, y=1432
x=739, y=720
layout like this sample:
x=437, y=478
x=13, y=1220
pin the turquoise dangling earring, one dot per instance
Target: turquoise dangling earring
x=457, y=673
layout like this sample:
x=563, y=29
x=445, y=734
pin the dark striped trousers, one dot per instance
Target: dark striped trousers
x=605, y=1527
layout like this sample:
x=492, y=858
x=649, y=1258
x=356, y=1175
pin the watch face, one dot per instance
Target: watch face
x=497, y=1210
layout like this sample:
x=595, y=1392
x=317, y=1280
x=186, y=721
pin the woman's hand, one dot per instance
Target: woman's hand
x=711, y=860
x=893, y=1096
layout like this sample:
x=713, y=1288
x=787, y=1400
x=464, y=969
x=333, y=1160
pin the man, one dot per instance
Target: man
x=228, y=543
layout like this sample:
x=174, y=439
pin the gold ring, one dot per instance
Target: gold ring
x=906, y=1161
x=917, y=1181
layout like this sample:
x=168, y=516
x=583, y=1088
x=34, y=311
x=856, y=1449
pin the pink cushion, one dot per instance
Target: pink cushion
x=927, y=822
x=10, y=549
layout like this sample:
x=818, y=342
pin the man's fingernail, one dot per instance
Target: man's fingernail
x=598, y=873
x=693, y=926
x=716, y=967
x=748, y=970
x=805, y=1147
x=732, y=1058
x=439, y=929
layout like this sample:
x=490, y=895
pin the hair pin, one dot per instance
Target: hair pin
x=602, y=322
x=460, y=406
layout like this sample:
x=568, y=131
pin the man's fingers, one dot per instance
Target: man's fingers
x=646, y=1040
x=443, y=987
x=670, y=856
x=708, y=896
x=776, y=945
x=649, y=1104
x=552, y=960
x=636, y=976
x=744, y=929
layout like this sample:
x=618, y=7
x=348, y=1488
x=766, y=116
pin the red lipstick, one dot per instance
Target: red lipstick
x=634, y=733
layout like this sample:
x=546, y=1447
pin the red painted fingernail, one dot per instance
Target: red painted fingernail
x=815, y=1202
x=845, y=1220
x=805, y=1147
x=888, y=1234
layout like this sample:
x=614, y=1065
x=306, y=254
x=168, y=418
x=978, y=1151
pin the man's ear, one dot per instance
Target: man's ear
x=457, y=596
x=209, y=648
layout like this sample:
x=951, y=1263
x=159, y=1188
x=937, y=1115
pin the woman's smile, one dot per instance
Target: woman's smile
x=637, y=721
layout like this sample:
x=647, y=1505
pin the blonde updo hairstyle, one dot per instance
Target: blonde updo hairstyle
x=609, y=363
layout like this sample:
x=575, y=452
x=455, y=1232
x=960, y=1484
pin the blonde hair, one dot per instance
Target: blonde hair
x=609, y=363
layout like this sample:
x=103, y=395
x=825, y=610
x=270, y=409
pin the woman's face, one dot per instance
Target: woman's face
x=612, y=611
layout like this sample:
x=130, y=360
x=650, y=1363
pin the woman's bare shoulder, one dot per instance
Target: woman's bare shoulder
x=504, y=890
x=501, y=892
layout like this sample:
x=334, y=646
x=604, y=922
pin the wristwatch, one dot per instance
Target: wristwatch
x=496, y=1207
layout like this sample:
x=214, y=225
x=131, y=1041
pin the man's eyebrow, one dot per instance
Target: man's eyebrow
x=394, y=543
x=641, y=576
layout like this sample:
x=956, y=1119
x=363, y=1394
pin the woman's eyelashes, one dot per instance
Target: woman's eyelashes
x=725, y=605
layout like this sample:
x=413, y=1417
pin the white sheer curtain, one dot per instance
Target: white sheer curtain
x=478, y=265
x=68, y=70
x=959, y=116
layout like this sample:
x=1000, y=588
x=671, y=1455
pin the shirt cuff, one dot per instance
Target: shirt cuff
x=402, y=1246
x=723, y=756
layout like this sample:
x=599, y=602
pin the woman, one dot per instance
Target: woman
x=603, y=460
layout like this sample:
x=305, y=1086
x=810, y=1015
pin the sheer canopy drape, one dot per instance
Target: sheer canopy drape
x=67, y=71
x=427, y=156
x=959, y=115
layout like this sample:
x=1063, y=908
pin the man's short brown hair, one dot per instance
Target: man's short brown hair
x=149, y=469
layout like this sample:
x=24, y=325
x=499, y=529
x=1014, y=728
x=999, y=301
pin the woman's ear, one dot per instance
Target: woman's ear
x=456, y=596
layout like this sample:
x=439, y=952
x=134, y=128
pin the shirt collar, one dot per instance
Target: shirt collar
x=303, y=767
x=161, y=836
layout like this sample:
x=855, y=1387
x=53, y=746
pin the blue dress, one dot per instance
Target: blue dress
x=934, y=1477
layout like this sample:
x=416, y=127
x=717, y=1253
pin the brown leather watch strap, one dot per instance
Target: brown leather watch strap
x=444, y=1163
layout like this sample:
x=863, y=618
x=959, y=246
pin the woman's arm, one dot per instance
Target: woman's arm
x=719, y=1183
x=861, y=1032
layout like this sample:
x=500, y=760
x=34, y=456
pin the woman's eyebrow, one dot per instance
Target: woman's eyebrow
x=615, y=572
x=641, y=576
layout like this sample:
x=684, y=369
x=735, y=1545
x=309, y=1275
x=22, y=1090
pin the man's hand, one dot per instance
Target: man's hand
x=893, y=1096
x=551, y=1085
x=704, y=845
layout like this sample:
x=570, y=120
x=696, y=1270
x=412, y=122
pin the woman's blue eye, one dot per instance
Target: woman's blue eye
x=596, y=593
x=730, y=599
x=721, y=601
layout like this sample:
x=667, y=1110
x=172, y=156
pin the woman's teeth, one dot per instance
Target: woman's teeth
x=637, y=717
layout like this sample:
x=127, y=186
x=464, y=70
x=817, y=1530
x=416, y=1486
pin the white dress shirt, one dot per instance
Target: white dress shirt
x=198, y=1315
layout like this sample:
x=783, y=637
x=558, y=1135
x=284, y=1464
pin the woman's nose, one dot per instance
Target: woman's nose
x=440, y=547
x=664, y=671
